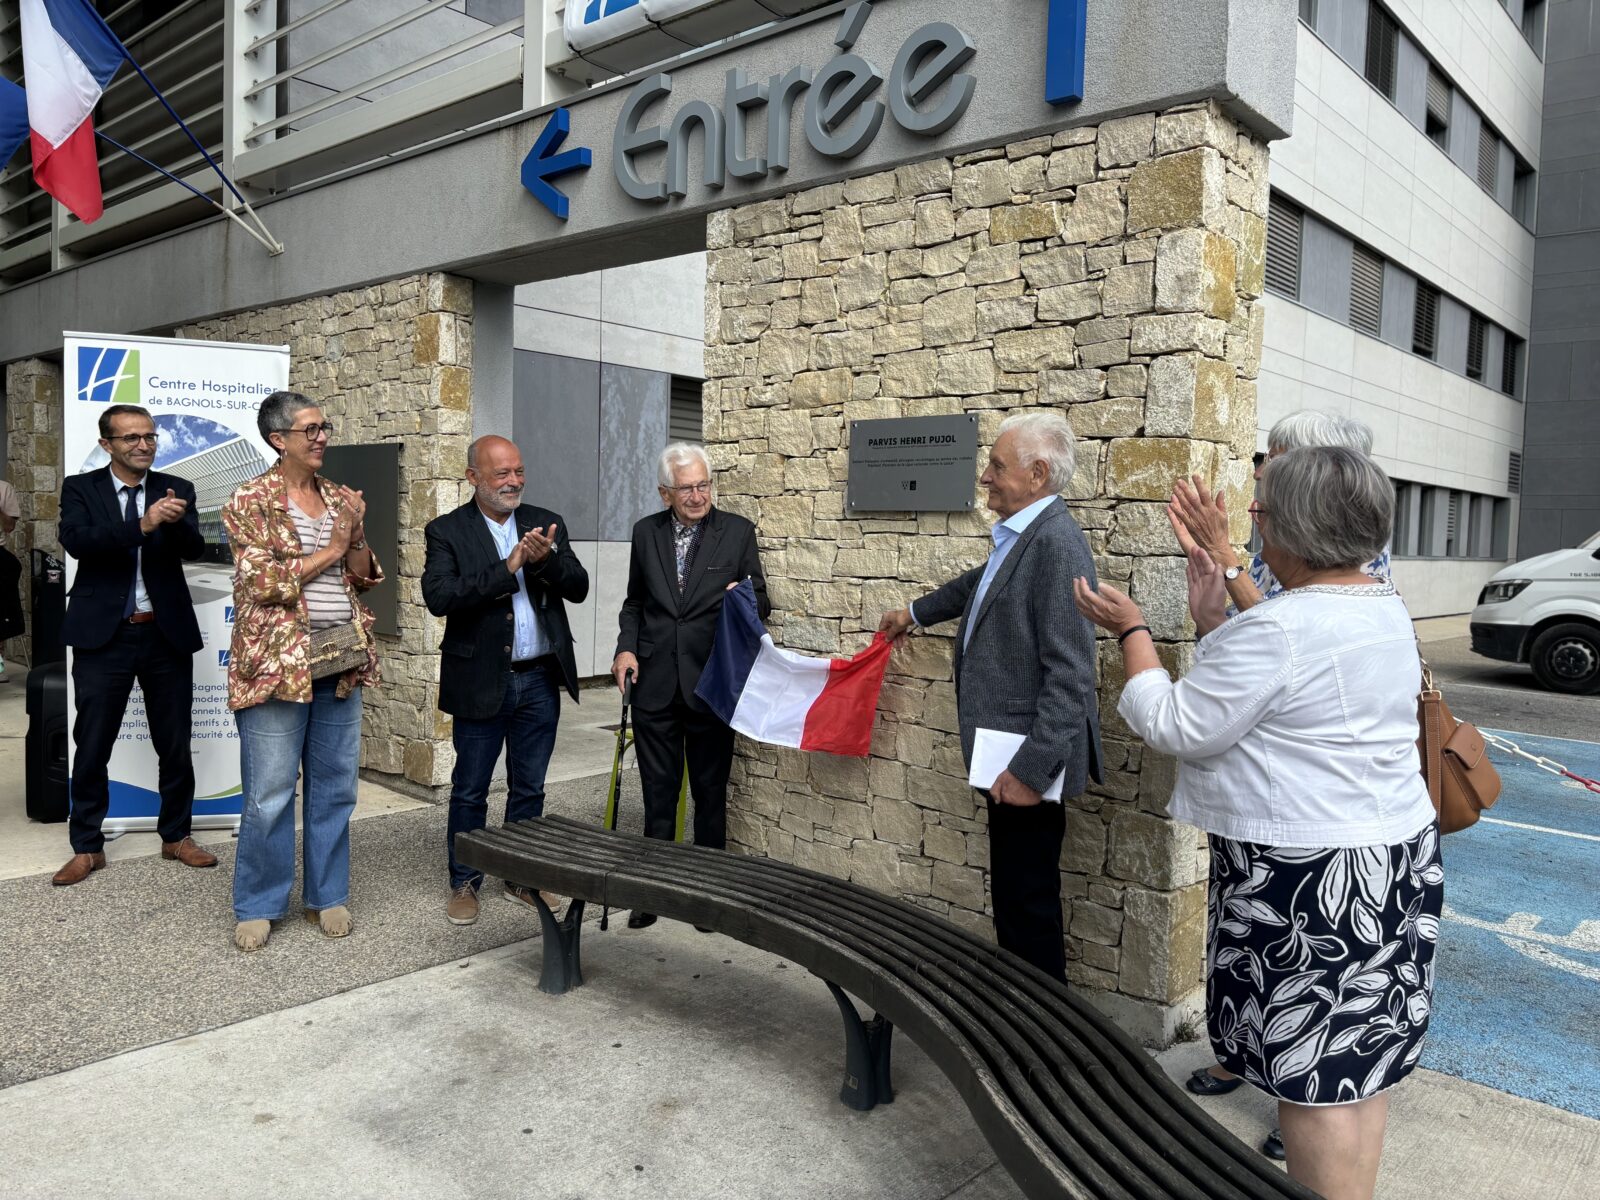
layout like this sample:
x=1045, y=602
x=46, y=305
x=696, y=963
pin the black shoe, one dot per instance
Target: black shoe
x=1273, y=1146
x=1204, y=1083
x=641, y=920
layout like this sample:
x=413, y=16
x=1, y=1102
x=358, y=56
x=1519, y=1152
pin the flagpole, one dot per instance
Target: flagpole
x=273, y=246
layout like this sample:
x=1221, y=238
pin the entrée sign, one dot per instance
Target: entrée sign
x=841, y=112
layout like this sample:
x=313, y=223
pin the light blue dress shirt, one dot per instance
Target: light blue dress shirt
x=529, y=640
x=1005, y=535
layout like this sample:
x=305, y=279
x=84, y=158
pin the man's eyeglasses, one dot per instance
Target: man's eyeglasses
x=692, y=489
x=313, y=432
x=130, y=440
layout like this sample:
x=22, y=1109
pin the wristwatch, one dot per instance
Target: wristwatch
x=1232, y=573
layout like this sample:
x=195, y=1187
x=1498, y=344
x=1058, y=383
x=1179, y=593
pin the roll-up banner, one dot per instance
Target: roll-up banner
x=203, y=397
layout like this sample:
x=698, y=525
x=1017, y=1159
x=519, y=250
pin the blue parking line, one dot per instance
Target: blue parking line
x=1517, y=992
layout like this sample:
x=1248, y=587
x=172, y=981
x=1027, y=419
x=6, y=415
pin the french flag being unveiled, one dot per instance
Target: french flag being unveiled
x=789, y=699
x=68, y=59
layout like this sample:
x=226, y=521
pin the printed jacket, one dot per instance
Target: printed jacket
x=271, y=631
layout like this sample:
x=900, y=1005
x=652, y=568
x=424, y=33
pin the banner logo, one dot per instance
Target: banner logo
x=599, y=10
x=107, y=375
x=227, y=614
x=224, y=657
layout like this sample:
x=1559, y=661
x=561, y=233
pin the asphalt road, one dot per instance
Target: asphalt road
x=1505, y=696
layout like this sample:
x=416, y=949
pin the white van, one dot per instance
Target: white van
x=1545, y=611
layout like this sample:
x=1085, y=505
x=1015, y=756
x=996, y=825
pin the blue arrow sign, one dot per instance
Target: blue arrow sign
x=543, y=162
x=1064, y=51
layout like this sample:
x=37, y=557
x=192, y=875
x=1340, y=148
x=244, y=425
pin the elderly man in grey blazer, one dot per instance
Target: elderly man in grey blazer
x=1024, y=664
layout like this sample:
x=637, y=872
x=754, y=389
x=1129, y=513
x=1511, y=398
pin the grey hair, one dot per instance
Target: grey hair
x=1045, y=437
x=276, y=414
x=1329, y=506
x=677, y=456
x=1311, y=427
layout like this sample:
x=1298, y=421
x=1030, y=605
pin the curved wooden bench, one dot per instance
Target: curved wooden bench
x=1071, y=1105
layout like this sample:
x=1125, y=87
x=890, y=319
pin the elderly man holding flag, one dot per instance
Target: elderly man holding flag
x=1024, y=674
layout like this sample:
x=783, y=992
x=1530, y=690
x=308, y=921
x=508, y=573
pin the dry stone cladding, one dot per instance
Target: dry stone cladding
x=1111, y=273
x=33, y=450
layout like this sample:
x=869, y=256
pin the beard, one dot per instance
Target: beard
x=501, y=500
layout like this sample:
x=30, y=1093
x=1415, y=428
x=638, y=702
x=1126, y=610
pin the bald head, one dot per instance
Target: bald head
x=494, y=468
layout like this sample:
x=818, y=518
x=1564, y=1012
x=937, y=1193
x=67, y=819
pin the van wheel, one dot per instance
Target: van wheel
x=1566, y=658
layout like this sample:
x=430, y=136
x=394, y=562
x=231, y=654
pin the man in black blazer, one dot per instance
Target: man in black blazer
x=501, y=573
x=130, y=617
x=683, y=559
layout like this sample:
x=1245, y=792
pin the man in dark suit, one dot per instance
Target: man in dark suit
x=501, y=573
x=683, y=559
x=130, y=617
x=1024, y=665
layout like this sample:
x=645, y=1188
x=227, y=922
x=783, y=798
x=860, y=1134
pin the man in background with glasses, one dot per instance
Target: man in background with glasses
x=130, y=618
x=683, y=559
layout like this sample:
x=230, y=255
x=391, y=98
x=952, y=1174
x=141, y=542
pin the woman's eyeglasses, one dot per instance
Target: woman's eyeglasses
x=313, y=432
x=1257, y=512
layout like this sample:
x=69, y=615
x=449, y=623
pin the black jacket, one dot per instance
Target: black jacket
x=465, y=581
x=94, y=532
x=671, y=635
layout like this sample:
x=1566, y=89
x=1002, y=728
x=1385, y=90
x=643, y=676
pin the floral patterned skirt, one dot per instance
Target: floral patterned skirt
x=1319, y=964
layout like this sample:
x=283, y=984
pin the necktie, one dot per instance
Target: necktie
x=130, y=514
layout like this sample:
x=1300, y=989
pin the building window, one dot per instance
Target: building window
x=1533, y=24
x=1477, y=333
x=1284, y=222
x=684, y=421
x=1509, y=365
x=1514, y=473
x=1366, y=290
x=1488, y=157
x=1308, y=12
x=1452, y=526
x=1383, y=49
x=1438, y=118
x=1425, y=326
x=1522, y=194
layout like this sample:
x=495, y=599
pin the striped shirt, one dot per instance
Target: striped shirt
x=327, y=600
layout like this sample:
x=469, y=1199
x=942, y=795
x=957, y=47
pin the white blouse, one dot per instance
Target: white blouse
x=1297, y=725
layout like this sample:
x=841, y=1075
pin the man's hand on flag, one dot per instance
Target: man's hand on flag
x=896, y=625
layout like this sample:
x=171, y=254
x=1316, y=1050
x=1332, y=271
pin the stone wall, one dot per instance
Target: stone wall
x=1110, y=272
x=33, y=450
x=390, y=363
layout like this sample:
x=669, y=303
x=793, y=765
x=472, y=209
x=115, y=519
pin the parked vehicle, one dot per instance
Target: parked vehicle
x=1545, y=611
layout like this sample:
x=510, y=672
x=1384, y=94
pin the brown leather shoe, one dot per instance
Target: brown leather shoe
x=78, y=868
x=189, y=853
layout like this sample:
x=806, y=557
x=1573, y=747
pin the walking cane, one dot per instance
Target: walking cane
x=614, y=794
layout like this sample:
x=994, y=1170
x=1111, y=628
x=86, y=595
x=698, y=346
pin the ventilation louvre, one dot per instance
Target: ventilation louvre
x=1366, y=290
x=684, y=421
x=1284, y=220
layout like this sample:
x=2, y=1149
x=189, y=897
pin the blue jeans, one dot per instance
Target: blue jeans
x=526, y=727
x=277, y=739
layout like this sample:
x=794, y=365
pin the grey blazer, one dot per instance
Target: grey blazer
x=1029, y=667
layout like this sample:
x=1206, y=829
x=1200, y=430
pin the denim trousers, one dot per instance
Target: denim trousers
x=278, y=740
x=526, y=727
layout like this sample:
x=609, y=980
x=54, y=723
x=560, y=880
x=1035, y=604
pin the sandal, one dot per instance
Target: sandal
x=1273, y=1146
x=1204, y=1083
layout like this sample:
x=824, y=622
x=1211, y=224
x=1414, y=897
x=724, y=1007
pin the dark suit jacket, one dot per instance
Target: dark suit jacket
x=94, y=533
x=671, y=635
x=1029, y=667
x=465, y=581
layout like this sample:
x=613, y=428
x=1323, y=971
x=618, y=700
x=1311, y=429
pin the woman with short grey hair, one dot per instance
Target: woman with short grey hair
x=1295, y=735
x=1199, y=517
x=1045, y=437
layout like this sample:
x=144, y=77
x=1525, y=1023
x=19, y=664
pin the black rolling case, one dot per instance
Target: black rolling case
x=47, y=742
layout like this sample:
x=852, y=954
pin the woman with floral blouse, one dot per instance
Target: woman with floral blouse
x=300, y=560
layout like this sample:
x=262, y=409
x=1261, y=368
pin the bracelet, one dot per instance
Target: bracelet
x=361, y=545
x=1127, y=633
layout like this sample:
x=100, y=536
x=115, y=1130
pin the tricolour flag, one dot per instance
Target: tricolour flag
x=789, y=699
x=13, y=119
x=68, y=59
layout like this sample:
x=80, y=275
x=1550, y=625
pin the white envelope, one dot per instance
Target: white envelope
x=992, y=752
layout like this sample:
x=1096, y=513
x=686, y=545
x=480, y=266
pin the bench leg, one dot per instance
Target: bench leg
x=866, y=1056
x=563, y=964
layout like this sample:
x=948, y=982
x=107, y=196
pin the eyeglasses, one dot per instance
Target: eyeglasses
x=313, y=432
x=1257, y=512
x=692, y=489
x=130, y=440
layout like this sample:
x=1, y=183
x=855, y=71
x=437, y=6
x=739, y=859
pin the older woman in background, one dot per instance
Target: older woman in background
x=1200, y=518
x=302, y=652
x=1295, y=733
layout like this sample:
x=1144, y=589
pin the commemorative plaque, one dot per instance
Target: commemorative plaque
x=912, y=464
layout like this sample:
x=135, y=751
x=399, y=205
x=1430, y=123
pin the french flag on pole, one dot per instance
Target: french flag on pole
x=68, y=59
x=789, y=699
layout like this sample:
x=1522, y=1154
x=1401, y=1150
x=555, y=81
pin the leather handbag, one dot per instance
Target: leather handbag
x=1461, y=780
x=337, y=649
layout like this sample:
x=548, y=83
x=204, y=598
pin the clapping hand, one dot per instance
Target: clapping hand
x=1106, y=607
x=163, y=512
x=1200, y=518
x=1208, y=595
x=533, y=548
x=350, y=525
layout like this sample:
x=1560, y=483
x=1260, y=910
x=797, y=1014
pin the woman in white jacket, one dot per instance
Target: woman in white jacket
x=1295, y=733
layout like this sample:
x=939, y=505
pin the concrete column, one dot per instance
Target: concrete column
x=33, y=467
x=1110, y=272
